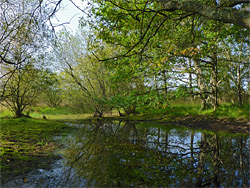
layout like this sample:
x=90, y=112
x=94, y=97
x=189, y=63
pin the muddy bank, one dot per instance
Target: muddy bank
x=210, y=123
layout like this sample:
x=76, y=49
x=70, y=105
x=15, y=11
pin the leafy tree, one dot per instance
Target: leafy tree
x=87, y=74
x=52, y=93
x=159, y=37
x=22, y=89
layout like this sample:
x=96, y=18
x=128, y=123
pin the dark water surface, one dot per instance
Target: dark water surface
x=125, y=154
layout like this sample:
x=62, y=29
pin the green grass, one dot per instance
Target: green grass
x=64, y=117
x=231, y=111
x=50, y=111
x=60, y=113
x=176, y=109
x=6, y=113
x=26, y=144
x=182, y=108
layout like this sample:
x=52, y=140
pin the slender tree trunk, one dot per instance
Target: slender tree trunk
x=165, y=82
x=213, y=83
x=239, y=85
x=156, y=85
x=201, y=85
x=190, y=78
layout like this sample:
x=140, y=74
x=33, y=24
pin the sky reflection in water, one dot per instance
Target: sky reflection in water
x=125, y=154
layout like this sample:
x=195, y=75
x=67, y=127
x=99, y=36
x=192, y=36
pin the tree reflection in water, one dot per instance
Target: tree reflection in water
x=124, y=155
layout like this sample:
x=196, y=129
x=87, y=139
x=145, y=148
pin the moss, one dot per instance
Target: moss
x=27, y=144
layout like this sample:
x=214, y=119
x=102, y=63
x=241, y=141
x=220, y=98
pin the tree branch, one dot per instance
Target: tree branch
x=223, y=14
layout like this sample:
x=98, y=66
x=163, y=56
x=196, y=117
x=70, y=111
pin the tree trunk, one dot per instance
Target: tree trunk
x=201, y=85
x=98, y=114
x=120, y=114
x=165, y=82
x=213, y=83
x=156, y=85
x=239, y=85
x=190, y=78
x=18, y=113
x=223, y=14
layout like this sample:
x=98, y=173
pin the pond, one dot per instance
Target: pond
x=126, y=154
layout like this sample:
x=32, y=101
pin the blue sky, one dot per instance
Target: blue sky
x=68, y=13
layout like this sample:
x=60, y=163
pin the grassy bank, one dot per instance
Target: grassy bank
x=185, y=108
x=177, y=109
x=26, y=144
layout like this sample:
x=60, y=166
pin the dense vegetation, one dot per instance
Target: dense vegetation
x=174, y=62
x=131, y=57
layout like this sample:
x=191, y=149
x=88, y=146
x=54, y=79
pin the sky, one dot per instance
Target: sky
x=68, y=13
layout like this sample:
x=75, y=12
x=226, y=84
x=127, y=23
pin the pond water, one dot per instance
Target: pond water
x=125, y=154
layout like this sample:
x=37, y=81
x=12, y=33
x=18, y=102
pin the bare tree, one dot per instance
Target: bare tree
x=24, y=29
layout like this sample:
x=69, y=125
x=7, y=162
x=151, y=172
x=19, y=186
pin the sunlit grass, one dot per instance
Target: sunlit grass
x=63, y=116
x=228, y=110
x=5, y=112
x=177, y=108
x=188, y=107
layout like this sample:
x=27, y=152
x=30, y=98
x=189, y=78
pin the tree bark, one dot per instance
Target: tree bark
x=201, y=85
x=213, y=83
x=190, y=78
x=239, y=85
x=223, y=14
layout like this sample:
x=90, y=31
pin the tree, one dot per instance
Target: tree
x=223, y=10
x=52, y=94
x=172, y=33
x=86, y=73
x=144, y=19
x=22, y=89
x=23, y=27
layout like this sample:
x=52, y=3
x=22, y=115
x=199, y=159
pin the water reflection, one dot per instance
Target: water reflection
x=124, y=154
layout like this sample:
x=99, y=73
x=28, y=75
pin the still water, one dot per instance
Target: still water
x=125, y=154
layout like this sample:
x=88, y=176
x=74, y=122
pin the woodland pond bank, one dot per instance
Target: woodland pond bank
x=104, y=153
